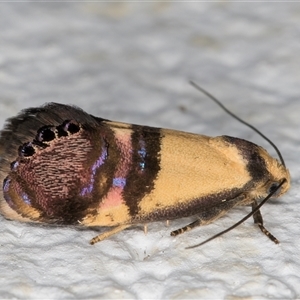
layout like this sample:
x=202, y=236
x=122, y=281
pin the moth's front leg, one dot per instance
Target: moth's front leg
x=210, y=215
x=258, y=219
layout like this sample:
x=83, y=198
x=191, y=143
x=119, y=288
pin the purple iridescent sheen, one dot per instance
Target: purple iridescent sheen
x=119, y=182
x=98, y=163
x=6, y=186
x=26, y=198
x=7, y=198
x=142, y=153
x=14, y=165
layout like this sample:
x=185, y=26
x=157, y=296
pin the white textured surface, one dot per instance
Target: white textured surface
x=131, y=62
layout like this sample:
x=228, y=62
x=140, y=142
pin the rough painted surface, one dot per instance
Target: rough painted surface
x=131, y=62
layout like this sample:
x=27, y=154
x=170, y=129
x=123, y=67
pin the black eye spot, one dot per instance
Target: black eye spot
x=45, y=134
x=61, y=131
x=26, y=150
x=73, y=128
x=67, y=126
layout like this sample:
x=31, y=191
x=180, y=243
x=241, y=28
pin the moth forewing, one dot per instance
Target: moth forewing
x=61, y=165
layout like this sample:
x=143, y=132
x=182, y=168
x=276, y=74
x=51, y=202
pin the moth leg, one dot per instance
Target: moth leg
x=107, y=234
x=258, y=219
x=186, y=228
x=145, y=229
x=208, y=216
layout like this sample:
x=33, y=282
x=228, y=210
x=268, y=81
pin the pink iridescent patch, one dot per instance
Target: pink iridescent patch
x=114, y=196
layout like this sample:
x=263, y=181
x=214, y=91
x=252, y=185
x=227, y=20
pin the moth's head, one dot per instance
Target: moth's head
x=47, y=159
x=277, y=173
x=265, y=171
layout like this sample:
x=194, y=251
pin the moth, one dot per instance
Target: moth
x=61, y=165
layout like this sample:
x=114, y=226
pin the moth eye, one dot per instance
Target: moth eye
x=45, y=134
x=26, y=150
x=274, y=189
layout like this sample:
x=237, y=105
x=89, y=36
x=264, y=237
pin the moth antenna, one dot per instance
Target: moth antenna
x=242, y=220
x=196, y=86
